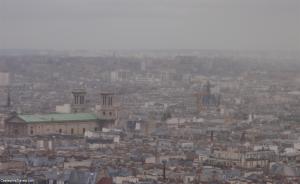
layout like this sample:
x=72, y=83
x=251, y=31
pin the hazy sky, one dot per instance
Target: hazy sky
x=150, y=24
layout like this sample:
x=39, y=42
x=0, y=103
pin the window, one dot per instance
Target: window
x=72, y=131
x=110, y=101
x=60, y=130
x=81, y=99
x=95, y=128
x=76, y=99
x=83, y=130
x=110, y=113
x=31, y=130
x=103, y=113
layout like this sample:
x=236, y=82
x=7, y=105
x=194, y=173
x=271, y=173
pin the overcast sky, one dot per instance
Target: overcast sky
x=150, y=24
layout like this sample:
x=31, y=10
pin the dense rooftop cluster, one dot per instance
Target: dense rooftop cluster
x=201, y=117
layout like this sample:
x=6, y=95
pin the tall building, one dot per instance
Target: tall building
x=5, y=98
x=4, y=79
x=120, y=75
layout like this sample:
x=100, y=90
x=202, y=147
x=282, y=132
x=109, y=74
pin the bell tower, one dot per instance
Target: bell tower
x=107, y=107
x=79, y=100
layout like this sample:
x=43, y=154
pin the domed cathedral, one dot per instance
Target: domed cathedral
x=76, y=118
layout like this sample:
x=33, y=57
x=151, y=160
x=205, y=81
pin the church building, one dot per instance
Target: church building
x=77, y=122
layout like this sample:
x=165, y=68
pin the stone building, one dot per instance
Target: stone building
x=68, y=124
x=245, y=160
x=75, y=123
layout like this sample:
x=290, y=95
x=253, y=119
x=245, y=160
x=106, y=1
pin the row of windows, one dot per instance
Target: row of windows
x=104, y=113
x=79, y=99
x=61, y=131
x=107, y=100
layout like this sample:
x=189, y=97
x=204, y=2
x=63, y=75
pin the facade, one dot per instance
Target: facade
x=107, y=108
x=75, y=123
x=247, y=160
x=67, y=124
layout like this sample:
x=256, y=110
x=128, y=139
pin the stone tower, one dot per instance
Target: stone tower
x=107, y=107
x=79, y=101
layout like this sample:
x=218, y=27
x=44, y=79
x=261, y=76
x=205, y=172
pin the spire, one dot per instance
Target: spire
x=8, y=102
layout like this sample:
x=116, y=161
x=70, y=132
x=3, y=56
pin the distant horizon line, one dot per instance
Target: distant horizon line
x=184, y=49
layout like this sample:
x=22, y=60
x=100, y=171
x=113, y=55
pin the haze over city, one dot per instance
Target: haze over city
x=150, y=24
